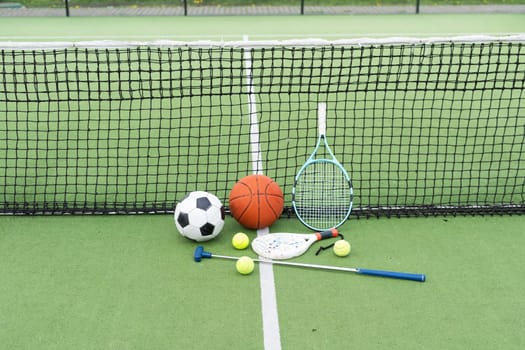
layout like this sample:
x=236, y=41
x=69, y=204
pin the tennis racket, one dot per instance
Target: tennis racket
x=322, y=193
x=282, y=245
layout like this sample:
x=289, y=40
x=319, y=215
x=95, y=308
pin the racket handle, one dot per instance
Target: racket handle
x=331, y=233
x=391, y=274
x=321, y=116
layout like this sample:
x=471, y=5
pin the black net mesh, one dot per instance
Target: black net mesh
x=422, y=128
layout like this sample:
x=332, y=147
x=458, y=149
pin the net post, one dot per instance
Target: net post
x=302, y=7
x=417, y=7
x=66, y=4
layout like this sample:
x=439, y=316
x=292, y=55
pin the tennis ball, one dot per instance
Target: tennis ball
x=240, y=240
x=342, y=248
x=245, y=265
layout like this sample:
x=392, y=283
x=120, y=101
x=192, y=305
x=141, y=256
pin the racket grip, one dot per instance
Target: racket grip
x=321, y=116
x=331, y=233
x=391, y=274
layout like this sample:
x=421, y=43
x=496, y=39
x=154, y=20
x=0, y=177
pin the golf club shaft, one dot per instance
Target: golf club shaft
x=379, y=273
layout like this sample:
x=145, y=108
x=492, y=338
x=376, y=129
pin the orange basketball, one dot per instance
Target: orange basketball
x=256, y=201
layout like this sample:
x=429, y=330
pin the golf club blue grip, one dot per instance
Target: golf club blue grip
x=391, y=274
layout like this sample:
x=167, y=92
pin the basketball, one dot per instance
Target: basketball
x=256, y=201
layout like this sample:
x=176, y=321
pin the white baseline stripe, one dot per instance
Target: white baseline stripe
x=270, y=316
x=223, y=37
x=252, y=110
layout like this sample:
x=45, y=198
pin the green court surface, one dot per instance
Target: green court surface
x=256, y=27
x=130, y=282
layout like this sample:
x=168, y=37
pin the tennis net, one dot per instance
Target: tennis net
x=423, y=126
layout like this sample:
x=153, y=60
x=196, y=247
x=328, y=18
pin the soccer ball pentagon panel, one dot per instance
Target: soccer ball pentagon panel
x=199, y=216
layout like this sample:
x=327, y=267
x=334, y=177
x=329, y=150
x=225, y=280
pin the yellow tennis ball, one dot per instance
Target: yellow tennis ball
x=342, y=248
x=240, y=241
x=245, y=265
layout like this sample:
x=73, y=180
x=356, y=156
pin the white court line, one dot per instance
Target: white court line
x=270, y=315
x=127, y=37
x=225, y=37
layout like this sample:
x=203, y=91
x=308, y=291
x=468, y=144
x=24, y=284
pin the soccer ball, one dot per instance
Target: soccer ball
x=199, y=216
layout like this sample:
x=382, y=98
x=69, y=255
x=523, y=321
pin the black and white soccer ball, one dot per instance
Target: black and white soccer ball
x=199, y=216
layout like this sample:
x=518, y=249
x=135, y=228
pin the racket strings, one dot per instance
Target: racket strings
x=323, y=195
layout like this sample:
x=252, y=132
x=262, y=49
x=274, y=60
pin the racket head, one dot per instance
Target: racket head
x=280, y=246
x=322, y=195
